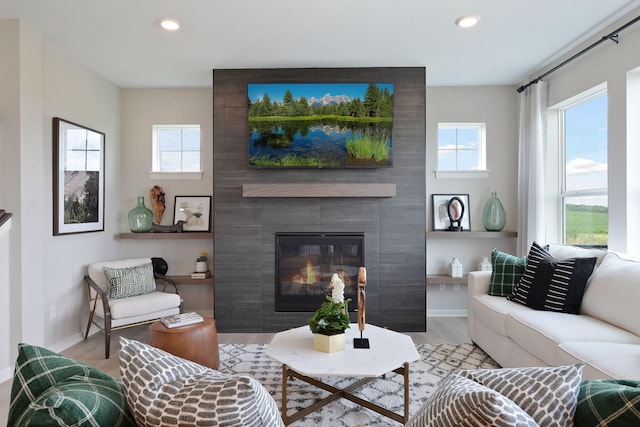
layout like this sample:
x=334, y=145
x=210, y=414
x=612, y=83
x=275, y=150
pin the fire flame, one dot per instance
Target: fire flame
x=311, y=277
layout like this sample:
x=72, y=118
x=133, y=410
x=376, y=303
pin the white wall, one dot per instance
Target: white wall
x=37, y=84
x=5, y=304
x=77, y=94
x=10, y=194
x=141, y=109
x=614, y=65
x=497, y=107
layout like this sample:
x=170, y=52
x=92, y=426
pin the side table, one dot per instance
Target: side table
x=197, y=342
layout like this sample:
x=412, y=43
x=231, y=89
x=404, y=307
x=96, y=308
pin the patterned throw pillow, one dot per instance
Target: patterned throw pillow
x=553, y=285
x=548, y=394
x=506, y=271
x=163, y=389
x=611, y=403
x=130, y=281
x=459, y=401
x=49, y=389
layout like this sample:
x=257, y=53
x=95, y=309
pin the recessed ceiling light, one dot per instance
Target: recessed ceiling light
x=170, y=24
x=467, y=21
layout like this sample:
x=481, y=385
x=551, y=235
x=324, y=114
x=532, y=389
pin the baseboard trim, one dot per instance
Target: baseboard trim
x=6, y=374
x=447, y=313
x=65, y=344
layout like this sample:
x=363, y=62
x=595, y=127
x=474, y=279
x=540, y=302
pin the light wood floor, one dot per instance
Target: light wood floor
x=440, y=330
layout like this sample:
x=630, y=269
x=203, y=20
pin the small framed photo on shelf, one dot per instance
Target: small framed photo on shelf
x=451, y=212
x=195, y=211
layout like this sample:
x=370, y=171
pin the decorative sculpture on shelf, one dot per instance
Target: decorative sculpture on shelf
x=156, y=194
x=175, y=228
x=455, y=211
x=362, y=305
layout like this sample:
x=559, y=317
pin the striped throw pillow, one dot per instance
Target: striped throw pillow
x=553, y=285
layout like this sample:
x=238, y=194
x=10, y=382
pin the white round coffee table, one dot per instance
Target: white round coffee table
x=389, y=351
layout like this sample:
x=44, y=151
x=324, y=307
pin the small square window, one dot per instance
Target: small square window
x=461, y=147
x=176, y=148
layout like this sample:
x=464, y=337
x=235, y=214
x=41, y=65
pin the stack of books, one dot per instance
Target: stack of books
x=201, y=275
x=182, y=319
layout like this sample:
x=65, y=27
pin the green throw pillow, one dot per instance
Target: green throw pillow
x=49, y=389
x=506, y=271
x=130, y=281
x=611, y=403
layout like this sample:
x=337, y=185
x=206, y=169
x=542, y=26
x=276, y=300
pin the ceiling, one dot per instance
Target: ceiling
x=121, y=39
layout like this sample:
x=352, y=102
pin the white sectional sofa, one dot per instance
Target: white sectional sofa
x=605, y=336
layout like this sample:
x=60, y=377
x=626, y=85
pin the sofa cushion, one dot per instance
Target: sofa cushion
x=540, y=332
x=548, y=394
x=612, y=296
x=460, y=401
x=569, y=251
x=49, y=389
x=506, y=271
x=611, y=403
x=126, y=308
x=130, y=281
x=164, y=389
x=551, y=284
x=602, y=359
x=493, y=310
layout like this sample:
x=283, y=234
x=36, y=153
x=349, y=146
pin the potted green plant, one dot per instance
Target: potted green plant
x=202, y=263
x=331, y=320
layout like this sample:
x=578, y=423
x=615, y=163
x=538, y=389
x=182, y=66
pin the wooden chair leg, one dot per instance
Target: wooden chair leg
x=107, y=338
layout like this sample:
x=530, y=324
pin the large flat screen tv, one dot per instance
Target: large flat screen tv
x=320, y=125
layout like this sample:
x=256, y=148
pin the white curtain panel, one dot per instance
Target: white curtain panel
x=532, y=143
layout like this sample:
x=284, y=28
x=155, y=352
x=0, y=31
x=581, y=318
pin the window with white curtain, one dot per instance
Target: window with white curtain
x=583, y=188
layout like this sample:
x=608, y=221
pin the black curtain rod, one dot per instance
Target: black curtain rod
x=613, y=36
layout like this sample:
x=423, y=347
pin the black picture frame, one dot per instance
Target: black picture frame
x=78, y=178
x=440, y=218
x=195, y=211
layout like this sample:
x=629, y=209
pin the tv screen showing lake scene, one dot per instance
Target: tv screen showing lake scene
x=320, y=125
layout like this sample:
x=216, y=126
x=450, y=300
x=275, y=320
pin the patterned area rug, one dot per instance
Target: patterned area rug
x=436, y=362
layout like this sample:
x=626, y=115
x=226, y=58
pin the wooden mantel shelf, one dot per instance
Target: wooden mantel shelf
x=318, y=190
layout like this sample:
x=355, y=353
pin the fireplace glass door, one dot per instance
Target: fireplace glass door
x=306, y=262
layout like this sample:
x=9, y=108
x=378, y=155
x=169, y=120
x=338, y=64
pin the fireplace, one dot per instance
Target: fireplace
x=305, y=263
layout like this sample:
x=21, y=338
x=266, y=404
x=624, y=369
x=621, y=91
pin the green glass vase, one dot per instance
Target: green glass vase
x=140, y=217
x=494, y=217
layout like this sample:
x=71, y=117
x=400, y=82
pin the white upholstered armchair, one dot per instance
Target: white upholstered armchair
x=128, y=293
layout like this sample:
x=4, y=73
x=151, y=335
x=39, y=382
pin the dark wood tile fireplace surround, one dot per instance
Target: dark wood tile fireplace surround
x=252, y=205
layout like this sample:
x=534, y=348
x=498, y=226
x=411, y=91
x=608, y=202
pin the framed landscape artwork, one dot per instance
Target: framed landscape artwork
x=320, y=125
x=455, y=204
x=78, y=178
x=195, y=211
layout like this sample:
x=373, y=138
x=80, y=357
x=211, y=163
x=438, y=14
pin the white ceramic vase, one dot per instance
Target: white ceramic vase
x=201, y=266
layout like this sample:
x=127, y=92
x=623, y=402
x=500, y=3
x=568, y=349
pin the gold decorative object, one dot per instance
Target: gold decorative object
x=362, y=306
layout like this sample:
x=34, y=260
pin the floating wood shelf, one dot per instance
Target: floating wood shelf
x=435, y=279
x=187, y=280
x=472, y=234
x=318, y=190
x=185, y=235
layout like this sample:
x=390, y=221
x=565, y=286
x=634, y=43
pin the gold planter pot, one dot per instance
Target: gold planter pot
x=328, y=343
